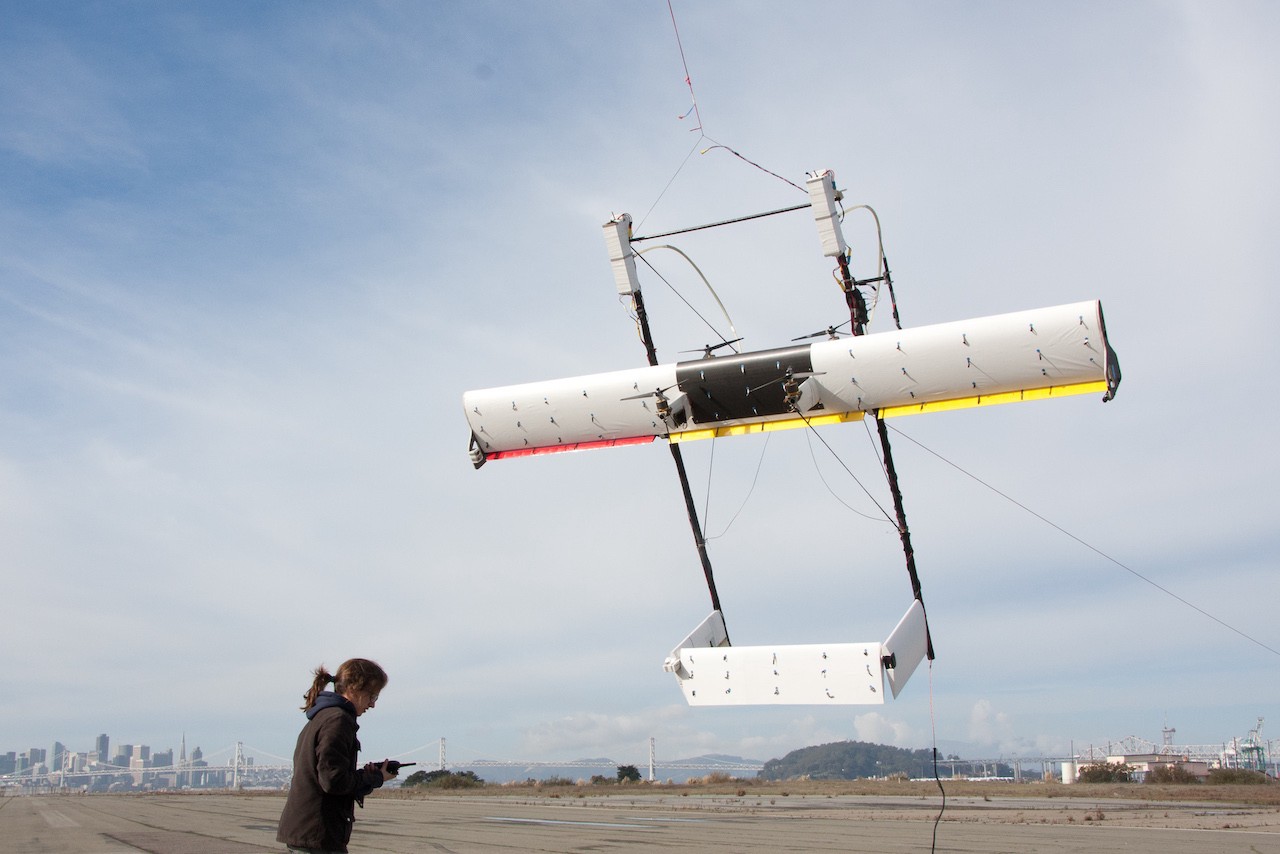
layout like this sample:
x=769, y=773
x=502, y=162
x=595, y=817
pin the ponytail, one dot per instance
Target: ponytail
x=322, y=678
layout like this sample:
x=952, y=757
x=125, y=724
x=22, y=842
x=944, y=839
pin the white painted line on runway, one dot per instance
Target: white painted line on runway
x=557, y=821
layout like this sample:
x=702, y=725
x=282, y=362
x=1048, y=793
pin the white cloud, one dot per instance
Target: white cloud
x=987, y=726
x=591, y=732
x=878, y=728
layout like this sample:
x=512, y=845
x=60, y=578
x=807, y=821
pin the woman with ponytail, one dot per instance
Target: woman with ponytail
x=320, y=809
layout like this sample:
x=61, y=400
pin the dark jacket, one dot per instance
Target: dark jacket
x=321, y=806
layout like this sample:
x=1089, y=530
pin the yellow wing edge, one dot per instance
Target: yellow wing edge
x=891, y=411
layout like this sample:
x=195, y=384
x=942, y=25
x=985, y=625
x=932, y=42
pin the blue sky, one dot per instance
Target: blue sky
x=252, y=254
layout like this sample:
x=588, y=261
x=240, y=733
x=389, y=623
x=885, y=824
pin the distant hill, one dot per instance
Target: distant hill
x=849, y=760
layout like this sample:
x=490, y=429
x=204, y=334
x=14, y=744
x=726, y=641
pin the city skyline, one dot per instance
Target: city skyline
x=61, y=757
x=151, y=759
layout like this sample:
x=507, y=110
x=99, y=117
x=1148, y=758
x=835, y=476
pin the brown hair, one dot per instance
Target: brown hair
x=355, y=674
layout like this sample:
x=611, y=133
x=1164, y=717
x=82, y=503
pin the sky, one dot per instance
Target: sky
x=252, y=255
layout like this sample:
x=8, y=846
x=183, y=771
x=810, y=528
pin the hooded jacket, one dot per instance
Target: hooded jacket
x=320, y=809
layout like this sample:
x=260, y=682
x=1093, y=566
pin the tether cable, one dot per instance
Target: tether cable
x=682, y=299
x=1091, y=547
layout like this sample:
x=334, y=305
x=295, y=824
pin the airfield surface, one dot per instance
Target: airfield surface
x=227, y=823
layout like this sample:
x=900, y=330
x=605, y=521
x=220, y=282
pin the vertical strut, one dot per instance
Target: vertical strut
x=643, y=318
x=903, y=532
x=858, y=317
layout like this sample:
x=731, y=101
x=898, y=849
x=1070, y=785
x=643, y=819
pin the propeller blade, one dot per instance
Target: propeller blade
x=658, y=392
x=799, y=375
x=829, y=332
x=710, y=348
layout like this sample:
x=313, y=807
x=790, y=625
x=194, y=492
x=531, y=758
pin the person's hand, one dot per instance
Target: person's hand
x=389, y=769
x=380, y=768
x=394, y=765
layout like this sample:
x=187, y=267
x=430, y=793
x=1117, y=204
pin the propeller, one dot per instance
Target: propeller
x=657, y=392
x=708, y=349
x=663, y=406
x=788, y=378
x=831, y=332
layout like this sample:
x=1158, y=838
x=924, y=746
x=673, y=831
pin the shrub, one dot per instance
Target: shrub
x=556, y=780
x=1176, y=774
x=441, y=779
x=461, y=780
x=1105, y=772
x=1236, y=776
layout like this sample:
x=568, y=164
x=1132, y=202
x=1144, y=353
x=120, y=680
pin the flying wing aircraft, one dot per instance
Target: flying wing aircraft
x=1026, y=355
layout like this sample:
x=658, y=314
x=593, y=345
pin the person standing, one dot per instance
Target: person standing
x=319, y=811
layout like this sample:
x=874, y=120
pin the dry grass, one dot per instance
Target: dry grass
x=720, y=785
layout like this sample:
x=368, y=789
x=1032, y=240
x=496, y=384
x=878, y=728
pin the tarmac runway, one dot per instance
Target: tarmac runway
x=226, y=823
